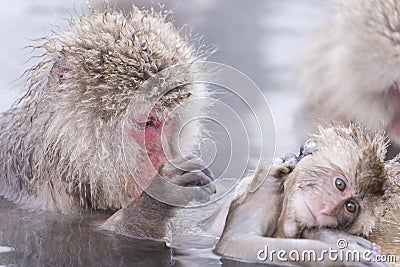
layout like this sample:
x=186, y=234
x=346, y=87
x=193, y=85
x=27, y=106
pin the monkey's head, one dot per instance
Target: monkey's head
x=89, y=93
x=340, y=185
x=353, y=72
x=374, y=63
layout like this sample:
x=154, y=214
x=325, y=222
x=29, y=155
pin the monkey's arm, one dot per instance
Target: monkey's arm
x=216, y=224
x=147, y=217
x=252, y=218
x=246, y=243
x=282, y=251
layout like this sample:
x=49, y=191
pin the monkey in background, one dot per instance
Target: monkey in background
x=61, y=145
x=350, y=67
x=339, y=188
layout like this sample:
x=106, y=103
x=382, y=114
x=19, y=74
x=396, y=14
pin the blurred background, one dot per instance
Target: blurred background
x=261, y=38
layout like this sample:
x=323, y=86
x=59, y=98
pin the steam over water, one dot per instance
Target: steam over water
x=261, y=38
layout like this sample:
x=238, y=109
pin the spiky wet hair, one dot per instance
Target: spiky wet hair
x=351, y=62
x=109, y=56
x=358, y=153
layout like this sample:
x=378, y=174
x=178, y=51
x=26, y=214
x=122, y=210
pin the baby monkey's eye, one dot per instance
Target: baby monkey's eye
x=340, y=184
x=351, y=206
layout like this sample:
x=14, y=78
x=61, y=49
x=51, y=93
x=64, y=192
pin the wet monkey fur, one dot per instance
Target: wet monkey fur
x=62, y=151
x=61, y=145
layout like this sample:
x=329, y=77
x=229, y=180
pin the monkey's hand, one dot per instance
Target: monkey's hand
x=147, y=216
x=190, y=171
x=364, y=252
x=307, y=148
x=283, y=166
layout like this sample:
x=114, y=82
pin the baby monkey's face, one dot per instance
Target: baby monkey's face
x=338, y=181
x=324, y=199
x=319, y=194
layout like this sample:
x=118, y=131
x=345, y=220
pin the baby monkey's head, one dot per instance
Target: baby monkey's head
x=343, y=184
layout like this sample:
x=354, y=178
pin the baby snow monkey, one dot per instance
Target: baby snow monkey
x=335, y=189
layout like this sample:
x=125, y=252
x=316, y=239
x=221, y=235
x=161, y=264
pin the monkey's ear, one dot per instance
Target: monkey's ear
x=279, y=171
x=261, y=173
x=57, y=73
x=280, y=168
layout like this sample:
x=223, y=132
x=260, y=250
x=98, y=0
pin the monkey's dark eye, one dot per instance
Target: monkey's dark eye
x=149, y=123
x=351, y=206
x=145, y=124
x=340, y=184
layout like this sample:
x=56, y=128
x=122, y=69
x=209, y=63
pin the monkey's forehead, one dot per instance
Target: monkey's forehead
x=111, y=58
x=358, y=153
x=364, y=170
x=354, y=141
x=120, y=51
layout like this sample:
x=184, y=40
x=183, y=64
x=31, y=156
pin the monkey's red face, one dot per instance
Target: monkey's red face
x=330, y=202
x=147, y=132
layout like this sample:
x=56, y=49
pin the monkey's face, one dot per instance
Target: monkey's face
x=147, y=133
x=340, y=184
x=328, y=202
x=318, y=197
x=152, y=133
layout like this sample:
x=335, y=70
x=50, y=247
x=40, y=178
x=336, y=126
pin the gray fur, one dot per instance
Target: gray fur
x=350, y=64
x=61, y=145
